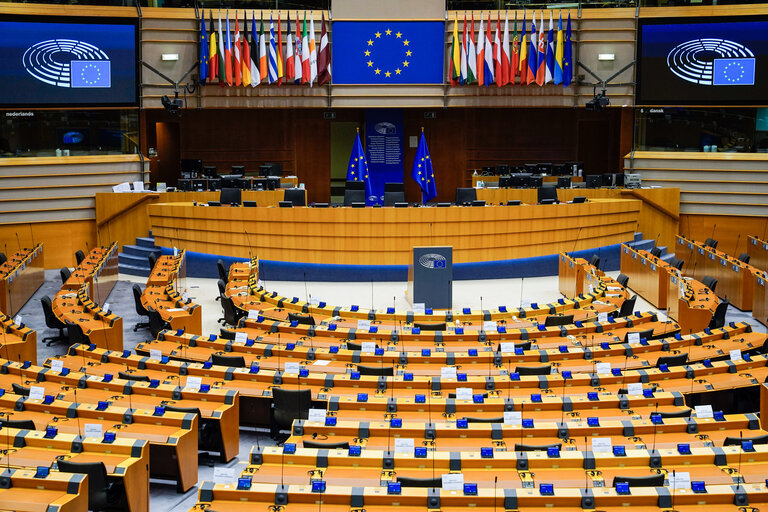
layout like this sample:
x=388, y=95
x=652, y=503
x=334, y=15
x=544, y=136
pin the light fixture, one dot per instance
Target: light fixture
x=606, y=56
x=170, y=56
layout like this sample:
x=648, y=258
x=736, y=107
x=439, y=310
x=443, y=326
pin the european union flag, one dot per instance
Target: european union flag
x=388, y=52
x=423, y=173
x=357, y=169
x=734, y=72
x=90, y=74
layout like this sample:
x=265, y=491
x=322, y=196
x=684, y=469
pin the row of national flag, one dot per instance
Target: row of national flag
x=541, y=57
x=231, y=58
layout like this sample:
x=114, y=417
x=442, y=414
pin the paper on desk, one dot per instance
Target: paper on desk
x=463, y=393
x=507, y=346
x=635, y=388
x=489, y=325
x=105, y=307
x=223, y=475
x=316, y=415
x=679, y=480
x=703, y=411
x=448, y=372
x=363, y=325
x=17, y=319
x=138, y=186
x=602, y=445
x=241, y=337
x=174, y=310
x=193, y=382
x=57, y=365
x=253, y=314
x=453, y=481
x=155, y=354
x=603, y=368
x=602, y=317
x=368, y=347
x=736, y=354
x=291, y=368
x=92, y=430
x=36, y=392
x=419, y=307
x=633, y=337
x=513, y=418
x=403, y=445
x=321, y=362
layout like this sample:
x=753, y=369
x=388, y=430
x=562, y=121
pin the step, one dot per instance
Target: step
x=663, y=249
x=638, y=237
x=145, y=241
x=131, y=259
x=641, y=245
x=134, y=270
x=138, y=250
x=668, y=256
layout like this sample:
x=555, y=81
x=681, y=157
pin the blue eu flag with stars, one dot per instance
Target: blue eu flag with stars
x=388, y=52
x=423, y=173
x=357, y=169
x=734, y=72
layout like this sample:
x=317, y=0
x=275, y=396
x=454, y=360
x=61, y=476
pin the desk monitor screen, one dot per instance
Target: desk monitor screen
x=238, y=169
x=547, y=193
x=270, y=169
x=564, y=182
x=594, y=180
x=199, y=185
x=210, y=171
x=535, y=181
x=230, y=196
x=191, y=165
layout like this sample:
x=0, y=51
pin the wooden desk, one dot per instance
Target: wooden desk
x=385, y=236
x=161, y=295
x=690, y=303
x=571, y=275
x=760, y=298
x=17, y=343
x=757, y=248
x=648, y=275
x=20, y=277
x=62, y=492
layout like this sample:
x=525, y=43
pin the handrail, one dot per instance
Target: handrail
x=127, y=207
x=650, y=202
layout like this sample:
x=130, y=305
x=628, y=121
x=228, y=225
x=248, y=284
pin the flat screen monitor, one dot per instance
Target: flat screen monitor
x=505, y=181
x=502, y=169
x=394, y=187
x=184, y=185
x=544, y=168
x=214, y=184
x=563, y=182
x=702, y=61
x=199, y=185
x=594, y=180
x=238, y=169
x=535, y=181
x=465, y=196
x=61, y=61
x=210, y=171
x=190, y=165
x=270, y=169
x=354, y=185
x=230, y=196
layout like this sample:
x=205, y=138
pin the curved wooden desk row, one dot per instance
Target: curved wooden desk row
x=757, y=248
x=22, y=490
x=690, y=303
x=385, y=236
x=735, y=279
x=126, y=460
x=20, y=277
x=161, y=295
x=17, y=342
x=98, y=270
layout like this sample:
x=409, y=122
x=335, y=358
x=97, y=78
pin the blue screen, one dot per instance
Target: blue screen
x=703, y=61
x=59, y=63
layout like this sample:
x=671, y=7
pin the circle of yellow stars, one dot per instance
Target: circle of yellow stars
x=420, y=165
x=362, y=162
x=728, y=72
x=386, y=72
x=88, y=67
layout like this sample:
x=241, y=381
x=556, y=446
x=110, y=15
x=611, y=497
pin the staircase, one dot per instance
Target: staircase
x=639, y=243
x=134, y=259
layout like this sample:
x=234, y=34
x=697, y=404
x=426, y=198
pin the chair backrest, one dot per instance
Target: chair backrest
x=552, y=320
x=50, y=318
x=3, y=258
x=710, y=282
x=744, y=257
x=521, y=447
x=622, y=280
x=20, y=390
x=291, y=404
x=223, y=273
x=718, y=317
x=386, y=371
x=20, y=424
x=227, y=334
x=222, y=284
x=656, y=251
x=152, y=258
x=231, y=196
x=341, y=445
x=354, y=185
x=140, y=309
x=465, y=195
x=353, y=196
x=676, y=263
x=645, y=334
x=628, y=306
x=595, y=261
x=230, y=361
x=295, y=196
x=75, y=334
x=64, y=273
x=640, y=481
x=134, y=377
x=736, y=441
x=156, y=322
x=711, y=242
x=430, y=327
x=230, y=314
x=79, y=256
x=97, y=480
x=547, y=193
x=685, y=413
x=676, y=360
x=390, y=198
x=301, y=319
x=408, y=481
x=534, y=370
x=394, y=187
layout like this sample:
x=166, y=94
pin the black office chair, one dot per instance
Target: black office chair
x=289, y=405
x=553, y=320
x=393, y=193
x=152, y=257
x=484, y=419
x=295, y=196
x=710, y=282
x=20, y=390
x=19, y=424
x=622, y=280
x=232, y=315
x=354, y=196
x=208, y=432
x=430, y=327
x=647, y=334
x=409, y=481
x=76, y=335
x=156, y=322
x=534, y=370
x=386, y=371
x=132, y=377
x=341, y=445
x=140, y=309
x=640, y=481
x=744, y=257
x=718, y=317
x=676, y=262
x=676, y=360
x=104, y=493
x=628, y=306
x=301, y=319
x=79, y=256
x=685, y=413
x=736, y=441
x=711, y=242
x=522, y=447
x=547, y=194
x=229, y=361
x=65, y=274
x=222, y=288
x=656, y=251
x=52, y=322
x=3, y=258
x=226, y=334
x=465, y=196
x=223, y=271
x=595, y=261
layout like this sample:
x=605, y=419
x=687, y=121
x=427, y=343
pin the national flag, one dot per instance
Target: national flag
x=514, y=65
x=312, y=50
x=357, y=169
x=290, y=69
x=263, y=70
x=480, y=70
x=488, y=54
x=506, y=70
x=272, y=53
x=203, y=71
x=228, y=55
x=463, y=56
x=454, y=75
x=323, y=57
x=213, y=53
x=305, y=67
x=246, y=54
x=222, y=62
x=541, y=69
x=523, y=65
x=297, y=65
x=497, y=69
x=559, y=51
x=255, y=72
x=533, y=53
x=567, y=55
x=280, y=71
x=423, y=173
x=550, y=51
x=471, y=54
x=237, y=69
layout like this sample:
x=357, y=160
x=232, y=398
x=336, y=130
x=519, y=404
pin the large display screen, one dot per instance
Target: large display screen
x=63, y=61
x=702, y=61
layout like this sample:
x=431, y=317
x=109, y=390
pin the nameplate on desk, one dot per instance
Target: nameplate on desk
x=291, y=368
x=193, y=383
x=453, y=481
x=419, y=307
x=364, y=325
x=703, y=411
x=317, y=415
x=92, y=430
x=489, y=326
x=633, y=337
x=448, y=372
x=603, y=368
x=461, y=394
x=368, y=347
x=57, y=365
x=38, y=392
x=635, y=388
x=507, y=346
x=155, y=354
x=602, y=317
x=321, y=362
x=735, y=354
x=241, y=337
x=223, y=475
x=513, y=418
x=404, y=445
x=174, y=310
x=253, y=314
x=679, y=480
x=602, y=445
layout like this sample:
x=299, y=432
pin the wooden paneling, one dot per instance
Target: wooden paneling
x=60, y=239
x=729, y=230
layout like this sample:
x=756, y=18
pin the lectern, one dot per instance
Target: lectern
x=430, y=277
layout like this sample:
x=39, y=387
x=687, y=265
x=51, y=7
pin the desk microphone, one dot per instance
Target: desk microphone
x=736, y=247
x=31, y=234
x=578, y=235
x=18, y=241
x=495, y=481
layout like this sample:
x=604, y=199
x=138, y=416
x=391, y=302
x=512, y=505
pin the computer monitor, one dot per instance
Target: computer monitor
x=273, y=183
x=230, y=196
x=271, y=169
x=285, y=204
x=465, y=196
x=489, y=170
x=502, y=169
x=354, y=185
x=580, y=199
x=618, y=179
x=191, y=165
x=243, y=183
x=210, y=171
x=532, y=168
x=594, y=181
x=535, y=181
x=504, y=181
x=547, y=193
x=394, y=187
x=184, y=185
x=575, y=168
x=544, y=168
x=632, y=180
x=560, y=170
x=563, y=182
x=238, y=170
x=214, y=184
x=607, y=179
x=199, y=185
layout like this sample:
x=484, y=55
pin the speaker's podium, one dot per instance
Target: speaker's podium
x=430, y=277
